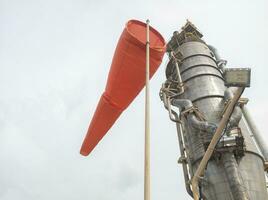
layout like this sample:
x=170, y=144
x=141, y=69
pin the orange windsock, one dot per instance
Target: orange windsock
x=126, y=79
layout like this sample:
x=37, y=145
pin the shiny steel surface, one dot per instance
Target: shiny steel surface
x=227, y=177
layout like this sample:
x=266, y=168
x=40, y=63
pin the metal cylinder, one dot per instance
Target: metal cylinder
x=204, y=87
x=258, y=137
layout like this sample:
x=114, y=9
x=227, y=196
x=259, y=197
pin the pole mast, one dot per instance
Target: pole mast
x=147, y=176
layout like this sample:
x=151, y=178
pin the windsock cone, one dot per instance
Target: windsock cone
x=126, y=79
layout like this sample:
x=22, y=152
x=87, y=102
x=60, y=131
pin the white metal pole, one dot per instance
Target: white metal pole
x=147, y=176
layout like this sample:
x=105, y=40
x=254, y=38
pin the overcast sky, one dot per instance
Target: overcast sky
x=54, y=59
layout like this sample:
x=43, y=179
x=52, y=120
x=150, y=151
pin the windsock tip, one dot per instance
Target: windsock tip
x=83, y=153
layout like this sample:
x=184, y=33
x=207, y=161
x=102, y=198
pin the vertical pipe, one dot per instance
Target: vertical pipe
x=177, y=67
x=235, y=179
x=220, y=62
x=214, y=141
x=184, y=164
x=215, y=52
x=258, y=137
x=181, y=85
x=147, y=192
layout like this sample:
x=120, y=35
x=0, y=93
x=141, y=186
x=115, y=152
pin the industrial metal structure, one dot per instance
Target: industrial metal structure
x=223, y=156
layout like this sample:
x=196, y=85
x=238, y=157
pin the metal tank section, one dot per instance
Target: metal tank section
x=195, y=96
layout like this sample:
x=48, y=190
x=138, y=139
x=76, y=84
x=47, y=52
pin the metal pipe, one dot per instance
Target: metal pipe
x=180, y=134
x=220, y=62
x=215, y=52
x=234, y=177
x=170, y=111
x=182, y=151
x=147, y=192
x=182, y=103
x=235, y=117
x=201, y=125
x=258, y=137
x=237, y=113
x=181, y=85
x=193, y=121
x=228, y=94
x=214, y=142
x=167, y=105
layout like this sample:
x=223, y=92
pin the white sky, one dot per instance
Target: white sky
x=54, y=60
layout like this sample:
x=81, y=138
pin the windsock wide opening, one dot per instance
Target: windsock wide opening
x=138, y=30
